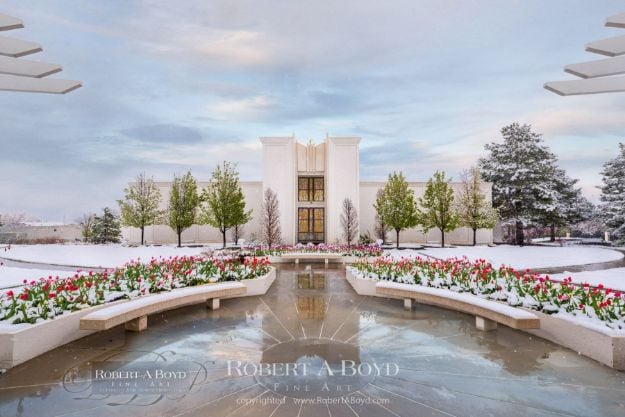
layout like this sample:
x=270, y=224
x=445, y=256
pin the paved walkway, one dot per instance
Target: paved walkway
x=443, y=365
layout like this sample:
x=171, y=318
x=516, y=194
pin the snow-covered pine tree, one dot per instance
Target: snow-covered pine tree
x=612, y=205
x=521, y=169
x=570, y=206
x=106, y=228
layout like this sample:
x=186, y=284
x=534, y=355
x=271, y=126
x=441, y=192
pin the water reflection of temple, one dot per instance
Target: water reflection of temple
x=320, y=313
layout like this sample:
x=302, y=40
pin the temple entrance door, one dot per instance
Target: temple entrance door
x=311, y=225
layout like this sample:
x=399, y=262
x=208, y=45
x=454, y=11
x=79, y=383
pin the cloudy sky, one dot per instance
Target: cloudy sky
x=171, y=86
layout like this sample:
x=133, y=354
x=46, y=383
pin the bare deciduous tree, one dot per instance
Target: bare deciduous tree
x=349, y=221
x=86, y=226
x=8, y=219
x=270, y=224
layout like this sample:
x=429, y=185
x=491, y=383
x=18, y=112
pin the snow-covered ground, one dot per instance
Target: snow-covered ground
x=610, y=278
x=520, y=257
x=11, y=276
x=92, y=256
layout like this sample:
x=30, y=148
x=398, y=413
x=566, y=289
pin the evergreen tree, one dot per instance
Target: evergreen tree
x=140, y=206
x=437, y=206
x=570, y=206
x=473, y=208
x=106, y=228
x=270, y=222
x=612, y=205
x=224, y=200
x=396, y=205
x=183, y=204
x=349, y=221
x=522, y=171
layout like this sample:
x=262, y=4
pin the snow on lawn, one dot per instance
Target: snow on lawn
x=520, y=257
x=12, y=277
x=92, y=256
x=610, y=278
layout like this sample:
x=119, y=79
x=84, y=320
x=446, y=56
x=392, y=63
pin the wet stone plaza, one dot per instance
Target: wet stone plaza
x=312, y=347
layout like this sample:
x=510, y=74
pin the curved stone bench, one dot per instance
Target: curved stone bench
x=134, y=313
x=487, y=313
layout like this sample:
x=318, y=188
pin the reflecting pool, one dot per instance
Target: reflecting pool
x=312, y=347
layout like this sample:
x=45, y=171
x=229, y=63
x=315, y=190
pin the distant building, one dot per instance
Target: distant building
x=39, y=232
x=311, y=181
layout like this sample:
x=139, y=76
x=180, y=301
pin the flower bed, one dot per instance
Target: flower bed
x=47, y=298
x=358, y=251
x=517, y=288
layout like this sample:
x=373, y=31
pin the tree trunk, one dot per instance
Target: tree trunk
x=520, y=236
x=474, y=237
x=397, y=243
x=442, y=238
x=552, y=232
x=142, y=233
x=223, y=234
x=179, y=237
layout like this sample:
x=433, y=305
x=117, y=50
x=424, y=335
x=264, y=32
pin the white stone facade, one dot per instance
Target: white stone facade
x=311, y=181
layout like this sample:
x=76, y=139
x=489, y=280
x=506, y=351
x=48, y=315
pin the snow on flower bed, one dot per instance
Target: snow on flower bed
x=520, y=257
x=530, y=290
x=92, y=256
x=50, y=297
x=358, y=251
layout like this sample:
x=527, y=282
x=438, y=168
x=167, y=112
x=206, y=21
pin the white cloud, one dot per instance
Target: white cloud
x=241, y=109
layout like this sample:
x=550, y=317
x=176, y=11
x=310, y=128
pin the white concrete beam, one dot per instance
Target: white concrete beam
x=587, y=86
x=600, y=68
x=16, y=47
x=9, y=22
x=610, y=47
x=25, y=68
x=37, y=85
x=616, y=21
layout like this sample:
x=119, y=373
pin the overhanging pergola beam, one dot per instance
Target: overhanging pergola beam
x=616, y=21
x=26, y=68
x=610, y=47
x=599, y=68
x=10, y=23
x=587, y=86
x=37, y=85
x=16, y=47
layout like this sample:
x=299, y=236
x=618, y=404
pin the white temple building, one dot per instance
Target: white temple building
x=311, y=181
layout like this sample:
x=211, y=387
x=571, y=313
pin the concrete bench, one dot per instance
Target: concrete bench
x=134, y=313
x=312, y=256
x=487, y=313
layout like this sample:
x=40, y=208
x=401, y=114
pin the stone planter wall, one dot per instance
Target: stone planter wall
x=21, y=342
x=602, y=345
